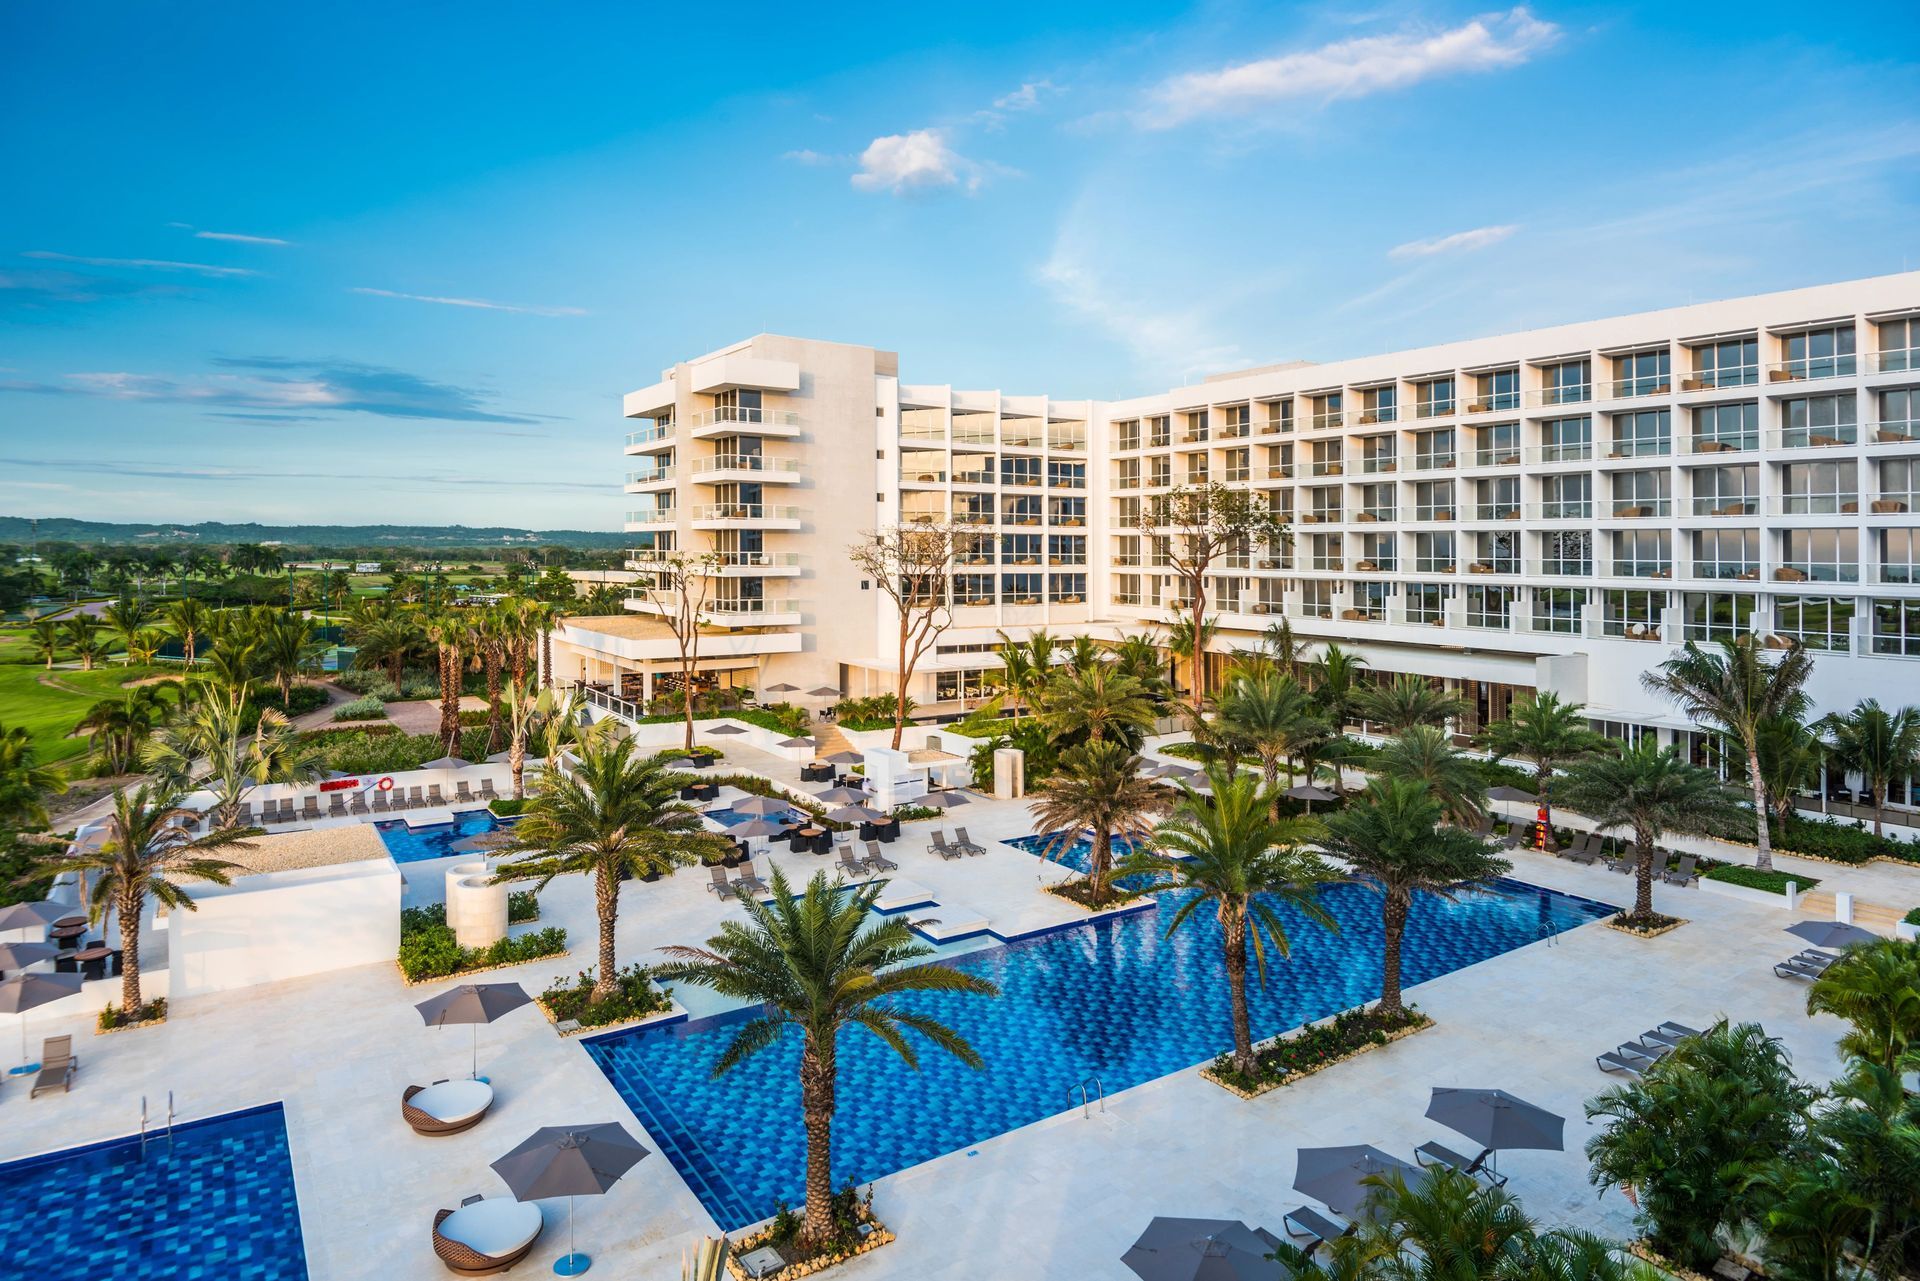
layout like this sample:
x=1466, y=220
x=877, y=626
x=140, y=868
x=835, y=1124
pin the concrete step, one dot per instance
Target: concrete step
x=1817, y=903
x=1877, y=917
x=830, y=739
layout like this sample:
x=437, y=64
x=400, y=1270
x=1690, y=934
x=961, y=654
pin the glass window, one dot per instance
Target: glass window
x=1899, y=555
x=1433, y=500
x=1379, y=404
x=1067, y=589
x=1066, y=549
x=1643, y=373
x=1019, y=470
x=1567, y=497
x=1734, y=362
x=1632, y=613
x=1377, y=453
x=1566, y=383
x=1717, y=615
x=973, y=589
x=1896, y=627
x=1641, y=493
x=1643, y=553
x=1066, y=475
x=1434, y=397
x=1820, y=488
x=1726, y=491
x=1490, y=606
x=1814, y=421
x=1499, y=445
x=1900, y=482
x=1567, y=439
x=1558, y=609
x=1568, y=553
x=1496, y=390
x=1644, y=432
x=1498, y=498
x=1819, y=353
x=1021, y=589
x=1433, y=553
x=1819, y=556
x=1899, y=416
x=1899, y=345
x=1726, y=553
x=1433, y=450
x=1721, y=428
x=1818, y=622
x=1159, y=431
x=1496, y=553
x=1237, y=420
x=1427, y=602
x=1019, y=549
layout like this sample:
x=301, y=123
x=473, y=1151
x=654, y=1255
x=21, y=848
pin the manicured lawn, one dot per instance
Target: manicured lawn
x=48, y=712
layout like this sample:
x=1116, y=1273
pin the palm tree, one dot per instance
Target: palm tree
x=813, y=964
x=1655, y=791
x=1451, y=777
x=1182, y=642
x=1093, y=703
x=1881, y=746
x=1547, y=733
x=285, y=648
x=449, y=633
x=390, y=641
x=616, y=815
x=1238, y=860
x=1282, y=646
x=83, y=638
x=46, y=642
x=148, y=846
x=1736, y=690
x=491, y=639
x=126, y=617
x=1334, y=676
x=1407, y=701
x=233, y=663
x=1392, y=836
x=1273, y=716
x=118, y=727
x=1792, y=757
x=1025, y=667
x=1098, y=787
x=1139, y=657
x=209, y=748
x=188, y=618
x=527, y=705
x=1875, y=987
x=24, y=781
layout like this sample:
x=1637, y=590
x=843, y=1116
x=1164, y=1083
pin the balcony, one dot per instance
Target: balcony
x=1728, y=444
x=1433, y=409
x=1737, y=571
x=650, y=518
x=1434, y=565
x=745, y=516
x=1326, y=467
x=649, y=440
x=1812, y=369
x=1633, y=388
x=1894, y=431
x=1571, y=394
x=1384, y=514
x=1496, y=511
x=1641, y=567
x=1322, y=516
x=1494, y=565
x=915, y=478
x=1716, y=379
x=1274, y=471
x=1640, y=509
x=1020, y=480
x=1640, y=447
x=1378, y=414
x=740, y=420
x=1561, y=509
x=1378, y=464
x=1814, y=505
x=1273, y=426
x=1499, y=402
x=1817, y=571
x=1232, y=474
x=1726, y=505
x=1497, y=456
x=1892, y=503
x=1900, y=360
x=1379, y=564
x=749, y=468
x=1434, y=461
x=1831, y=436
x=1562, y=451
x=975, y=478
x=748, y=612
x=1327, y=420
x=653, y=478
x=1431, y=512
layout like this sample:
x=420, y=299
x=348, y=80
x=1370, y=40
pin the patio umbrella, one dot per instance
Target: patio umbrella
x=781, y=688
x=797, y=742
x=824, y=691
x=1204, y=1250
x=726, y=729
x=1333, y=1175
x=1497, y=1120
x=1832, y=933
x=1171, y=770
x=845, y=758
x=32, y=916
x=569, y=1161
x=24, y=992
x=841, y=795
x=759, y=827
x=760, y=805
x=480, y=841
x=474, y=1003
x=1513, y=795
x=18, y=956
x=944, y=800
x=1308, y=792
x=447, y=762
x=854, y=814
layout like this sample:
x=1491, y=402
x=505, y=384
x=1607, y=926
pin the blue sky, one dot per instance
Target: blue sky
x=363, y=263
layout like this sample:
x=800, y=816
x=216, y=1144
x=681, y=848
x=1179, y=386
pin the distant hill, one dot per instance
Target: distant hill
x=17, y=529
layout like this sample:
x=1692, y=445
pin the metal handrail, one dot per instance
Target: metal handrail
x=1088, y=1098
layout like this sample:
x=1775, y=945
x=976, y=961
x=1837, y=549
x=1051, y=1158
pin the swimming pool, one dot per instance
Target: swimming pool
x=214, y=1200
x=1077, y=856
x=1111, y=998
x=417, y=844
x=729, y=817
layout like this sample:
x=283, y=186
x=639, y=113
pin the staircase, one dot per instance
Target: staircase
x=1881, y=919
x=1819, y=905
x=830, y=739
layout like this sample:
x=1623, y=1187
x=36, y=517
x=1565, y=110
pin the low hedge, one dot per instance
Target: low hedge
x=432, y=952
x=380, y=749
x=635, y=996
x=1755, y=879
x=508, y=807
x=368, y=708
x=1841, y=842
x=1913, y=917
x=1316, y=1045
x=522, y=906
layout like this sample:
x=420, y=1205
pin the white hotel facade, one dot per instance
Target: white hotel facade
x=1555, y=509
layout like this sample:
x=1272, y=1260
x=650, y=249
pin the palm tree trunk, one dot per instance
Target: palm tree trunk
x=606, y=902
x=1395, y=920
x=1643, y=874
x=1764, y=839
x=1270, y=773
x=1199, y=655
x=817, y=1103
x=546, y=658
x=686, y=702
x=517, y=763
x=900, y=687
x=1544, y=778
x=1879, y=786
x=129, y=908
x=1234, y=940
x=1102, y=865
x=493, y=700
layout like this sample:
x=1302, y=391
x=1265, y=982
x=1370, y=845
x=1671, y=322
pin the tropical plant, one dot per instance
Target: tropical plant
x=1876, y=988
x=1407, y=701
x=24, y=781
x=1097, y=787
x=83, y=638
x=1454, y=779
x=189, y=620
x=147, y=851
x=1237, y=860
x=210, y=747
x=528, y=708
x=231, y=665
x=126, y=618
x=1138, y=656
x=1181, y=642
x=1881, y=746
x=119, y=727
x=813, y=964
x=1656, y=792
x=389, y=641
x=284, y=649
x=1025, y=667
x=1792, y=759
x=1738, y=689
x=1689, y=1136
x=1095, y=703
x=1391, y=837
x=449, y=633
x=1273, y=717
x=616, y=814
x=1334, y=678
x=47, y=642
x=491, y=638
x=1547, y=733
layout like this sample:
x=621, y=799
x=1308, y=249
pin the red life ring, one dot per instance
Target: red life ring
x=385, y=784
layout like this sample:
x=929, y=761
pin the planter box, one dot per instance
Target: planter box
x=878, y=1237
x=1744, y=892
x=1269, y=1086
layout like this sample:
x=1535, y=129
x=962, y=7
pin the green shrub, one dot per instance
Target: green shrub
x=635, y=996
x=368, y=681
x=419, y=685
x=782, y=718
x=368, y=708
x=379, y=749
x=112, y=1016
x=1755, y=879
x=508, y=807
x=1841, y=842
x=1913, y=917
x=1317, y=1044
x=17, y=862
x=522, y=906
x=430, y=951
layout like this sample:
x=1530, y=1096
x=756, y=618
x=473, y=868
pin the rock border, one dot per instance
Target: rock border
x=674, y=1010
x=746, y=1245
x=1207, y=1073
x=1645, y=935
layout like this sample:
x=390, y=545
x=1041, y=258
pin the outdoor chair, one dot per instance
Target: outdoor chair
x=486, y=790
x=446, y=1106
x=849, y=863
x=415, y=801
x=749, y=880
x=1682, y=875
x=462, y=792
x=876, y=861
x=380, y=805
x=1582, y=851
x=1613, y=1062
x=964, y=843
x=1653, y=1051
x=1305, y=1222
x=1485, y=830
x=435, y=799
x=245, y=817
x=719, y=883
x=1433, y=1154
x=1681, y=1030
x=359, y=803
x=58, y=1064
x=486, y=1236
x=1628, y=859
x=938, y=845
x=309, y=807
x=1795, y=968
x=336, y=805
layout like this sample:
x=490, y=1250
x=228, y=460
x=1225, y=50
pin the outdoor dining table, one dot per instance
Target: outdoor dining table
x=93, y=961
x=886, y=831
x=816, y=773
x=809, y=840
x=67, y=931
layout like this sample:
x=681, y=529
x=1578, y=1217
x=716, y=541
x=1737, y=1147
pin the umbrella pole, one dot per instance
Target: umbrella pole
x=476, y=1051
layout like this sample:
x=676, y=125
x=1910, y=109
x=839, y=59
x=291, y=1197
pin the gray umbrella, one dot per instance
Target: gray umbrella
x=781, y=688
x=1513, y=796
x=726, y=729
x=480, y=841
x=845, y=758
x=474, y=1003
x=25, y=992
x=1497, y=1120
x=1308, y=792
x=841, y=795
x=760, y=805
x=1832, y=933
x=447, y=762
x=824, y=691
x=1334, y=1176
x=32, y=916
x=18, y=956
x=569, y=1161
x=796, y=742
x=759, y=827
x=854, y=814
x=1204, y=1250
x=944, y=800
x=1171, y=770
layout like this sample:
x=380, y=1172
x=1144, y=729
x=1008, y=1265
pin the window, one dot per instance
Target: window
x=1899, y=345
x=1490, y=606
x=972, y=427
x=1377, y=453
x=1499, y=445
x=1819, y=556
x=1643, y=373
x=1328, y=410
x=1900, y=482
x=977, y=549
x=1159, y=432
x=1327, y=554
x=1498, y=498
x=1568, y=553
x=1724, y=428
x=1196, y=427
x=973, y=589
x=1899, y=555
x=950, y=687
x=1067, y=589
x=1126, y=474
x=1641, y=493
x=1196, y=469
x=1316, y=598
x=1019, y=549
x=1496, y=553
x=1370, y=599
x=923, y=424
x=1433, y=500
x=1567, y=383
x=1713, y=616
x=1066, y=475
x=1239, y=464
x=1327, y=458
x=1066, y=549
x=1427, y=602
x=1376, y=554
x=1376, y=502
x=1495, y=390
x=1433, y=553
x=1379, y=405
x=1818, y=622
x=1567, y=497
x=1809, y=422
x=1019, y=470
x=1726, y=553
x=1632, y=613
x=1820, y=488
x=1642, y=433
x=1160, y=472
x=1734, y=362
x=1236, y=420
x=1433, y=398
x=1021, y=589
x=1819, y=353
x=1899, y=417
x=1726, y=491
x=1127, y=434
x=1325, y=505
x=1896, y=627
x=1279, y=416
x=1126, y=589
x=1567, y=439
x=1433, y=450
x=1022, y=510
x=1642, y=553
x=1558, y=609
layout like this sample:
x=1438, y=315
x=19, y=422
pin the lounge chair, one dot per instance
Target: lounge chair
x=336, y=805
x=1613, y=1062
x=878, y=862
x=462, y=792
x=435, y=797
x=310, y=808
x=58, y=1064
x=486, y=1236
x=1680, y=1030
x=245, y=816
x=749, y=880
x=445, y=1107
x=486, y=790
x=1804, y=965
x=380, y=803
x=1682, y=875
x=415, y=801
x=939, y=846
x=1626, y=861
x=1584, y=851
x=1307, y=1222
x=1433, y=1154
x=849, y=863
x=359, y=803
x=719, y=883
x=1652, y=1051
x=965, y=843
x=1485, y=829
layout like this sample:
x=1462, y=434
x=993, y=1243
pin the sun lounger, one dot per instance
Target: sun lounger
x=336, y=805
x=1612, y=1062
x=719, y=883
x=483, y=1237
x=1652, y=1050
x=1307, y=1222
x=939, y=846
x=462, y=792
x=1433, y=1154
x=749, y=880
x=245, y=816
x=878, y=862
x=446, y=1106
x=1486, y=825
x=965, y=843
x=1584, y=851
x=58, y=1064
x=849, y=863
x=359, y=803
x=1663, y=1036
x=486, y=790
x=1681, y=1030
x=415, y=801
x=1682, y=875
x=1626, y=862
x=1805, y=965
x=435, y=798
x=309, y=807
x=380, y=805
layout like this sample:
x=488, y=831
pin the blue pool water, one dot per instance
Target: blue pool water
x=417, y=844
x=1077, y=855
x=730, y=817
x=1113, y=998
x=216, y=1201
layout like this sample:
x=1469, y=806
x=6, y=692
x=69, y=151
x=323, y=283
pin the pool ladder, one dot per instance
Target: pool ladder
x=143, y=1122
x=1088, y=1097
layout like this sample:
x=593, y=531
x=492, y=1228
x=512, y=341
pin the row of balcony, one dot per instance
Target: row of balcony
x=720, y=515
x=987, y=442
x=914, y=477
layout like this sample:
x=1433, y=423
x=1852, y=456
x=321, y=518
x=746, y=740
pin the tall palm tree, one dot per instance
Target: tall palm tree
x=1097, y=787
x=233, y=663
x=1083, y=653
x=1655, y=791
x=188, y=619
x=119, y=727
x=1282, y=646
x=24, y=781
x=450, y=634
x=208, y=748
x=1876, y=988
x=1233, y=857
x=1138, y=656
x=814, y=965
x=617, y=814
x=1273, y=716
x=1391, y=835
x=1881, y=746
x=286, y=647
x=147, y=851
x=1095, y=703
x=1407, y=701
x=1335, y=678
x=127, y=617
x=83, y=638
x=527, y=706
x=1451, y=777
x=1184, y=643
x=1792, y=758
x=490, y=639
x=47, y=642
x=1025, y=667
x=1547, y=733
x=1737, y=690
x=389, y=641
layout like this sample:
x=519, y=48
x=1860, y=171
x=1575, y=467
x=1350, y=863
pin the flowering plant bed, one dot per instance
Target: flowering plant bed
x=1308, y=1049
x=114, y=1019
x=1649, y=928
x=858, y=1233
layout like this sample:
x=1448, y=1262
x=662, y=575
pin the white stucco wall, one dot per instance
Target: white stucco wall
x=283, y=925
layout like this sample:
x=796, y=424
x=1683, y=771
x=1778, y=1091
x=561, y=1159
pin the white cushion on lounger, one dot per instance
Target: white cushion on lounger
x=454, y=1101
x=494, y=1227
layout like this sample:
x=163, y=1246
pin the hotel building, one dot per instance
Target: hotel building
x=1555, y=509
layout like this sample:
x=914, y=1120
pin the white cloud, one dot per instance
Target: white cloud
x=1178, y=341
x=238, y=238
x=1352, y=68
x=1027, y=96
x=147, y=264
x=481, y=304
x=1458, y=242
x=904, y=163
x=808, y=156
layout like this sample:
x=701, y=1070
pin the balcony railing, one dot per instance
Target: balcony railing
x=1728, y=444
x=1274, y=471
x=1434, y=461
x=1569, y=394
x=1832, y=436
x=1326, y=467
x=1642, y=567
x=1714, y=379
x=1497, y=456
x=1494, y=565
x=1561, y=509
x=1812, y=368
x=749, y=462
x=1370, y=514
x=1892, y=502
x=1817, y=571
x=745, y=417
x=655, y=434
x=1640, y=508
x=1727, y=570
x=916, y=476
x=744, y=511
x=653, y=476
x=1327, y=419
x=1272, y=426
x=1837, y=504
x=651, y=516
x=1378, y=414
x=1237, y=473
x=1376, y=565
x=1433, y=408
x=758, y=560
x=1496, y=511
x=1640, y=447
x=1499, y=402
x=1895, y=431
x=1434, y=565
x=1630, y=388
x=1900, y=360
x=1726, y=505
x=1428, y=512
x=1564, y=451
x=1379, y=464
x=1322, y=516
